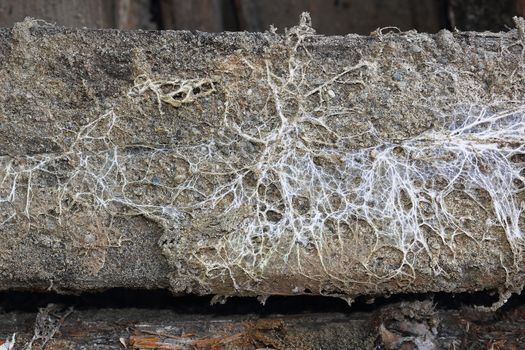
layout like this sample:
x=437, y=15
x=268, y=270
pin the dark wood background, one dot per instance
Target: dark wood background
x=329, y=16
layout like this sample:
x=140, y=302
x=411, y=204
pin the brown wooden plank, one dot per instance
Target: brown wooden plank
x=343, y=16
x=71, y=13
x=408, y=325
x=203, y=15
x=133, y=14
x=521, y=7
x=482, y=15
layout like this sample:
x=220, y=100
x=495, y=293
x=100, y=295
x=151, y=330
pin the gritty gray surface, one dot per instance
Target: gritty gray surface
x=67, y=99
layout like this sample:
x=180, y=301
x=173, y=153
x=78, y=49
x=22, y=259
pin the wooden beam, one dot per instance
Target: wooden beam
x=409, y=325
x=261, y=164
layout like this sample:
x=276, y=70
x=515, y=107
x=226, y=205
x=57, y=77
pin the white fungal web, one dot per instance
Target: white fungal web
x=289, y=180
x=303, y=185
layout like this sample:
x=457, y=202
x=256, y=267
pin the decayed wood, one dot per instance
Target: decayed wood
x=260, y=164
x=398, y=326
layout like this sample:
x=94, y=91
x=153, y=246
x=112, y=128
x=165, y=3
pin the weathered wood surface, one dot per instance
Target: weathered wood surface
x=414, y=326
x=132, y=14
x=481, y=15
x=329, y=17
x=98, y=13
x=203, y=15
x=344, y=16
x=260, y=164
x=122, y=14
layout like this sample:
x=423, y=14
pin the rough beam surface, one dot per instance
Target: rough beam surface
x=414, y=325
x=261, y=164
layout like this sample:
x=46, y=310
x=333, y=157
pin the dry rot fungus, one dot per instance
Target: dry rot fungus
x=294, y=181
